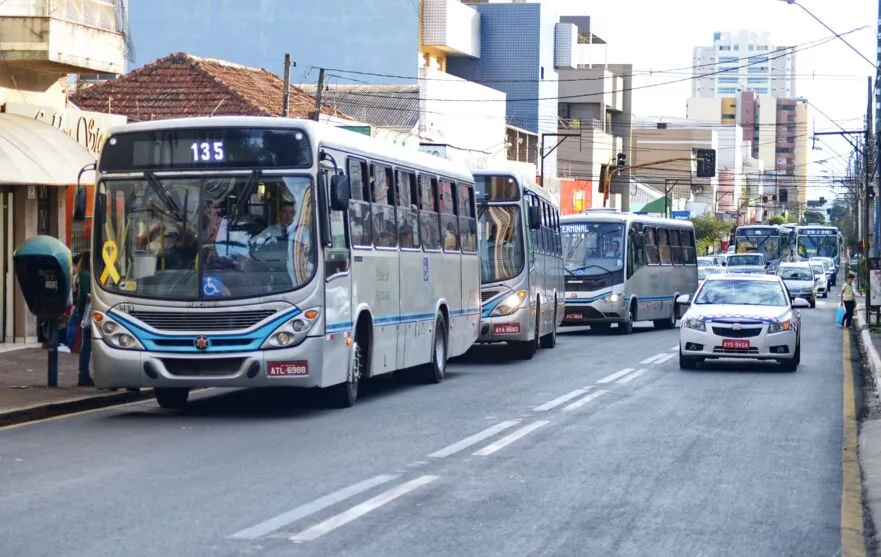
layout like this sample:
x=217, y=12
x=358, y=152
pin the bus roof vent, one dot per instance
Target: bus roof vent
x=601, y=210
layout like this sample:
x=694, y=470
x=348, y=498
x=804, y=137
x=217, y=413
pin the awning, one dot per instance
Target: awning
x=656, y=206
x=33, y=152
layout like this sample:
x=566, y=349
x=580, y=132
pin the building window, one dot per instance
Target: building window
x=757, y=80
x=761, y=91
x=729, y=80
x=737, y=47
x=727, y=90
x=757, y=69
x=785, y=107
x=727, y=59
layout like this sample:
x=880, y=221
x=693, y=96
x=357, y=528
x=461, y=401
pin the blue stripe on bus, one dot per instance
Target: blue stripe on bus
x=596, y=297
x=217, y=343
x=403, y=319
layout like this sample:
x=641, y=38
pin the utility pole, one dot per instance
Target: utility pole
x=668, y=190
x=318, y=91
x=877, y=166
x=563, y=137
x=868, y=194
x=286, y=91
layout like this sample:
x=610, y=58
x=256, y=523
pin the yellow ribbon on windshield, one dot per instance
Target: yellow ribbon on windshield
x=110, y=253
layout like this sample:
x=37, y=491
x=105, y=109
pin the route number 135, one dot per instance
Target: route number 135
x=205, y=151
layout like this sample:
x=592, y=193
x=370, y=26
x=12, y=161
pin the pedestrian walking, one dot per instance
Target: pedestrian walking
x=83, y=308
x=848, y=300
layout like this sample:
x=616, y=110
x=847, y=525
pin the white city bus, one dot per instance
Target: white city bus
x=253, y=252
x=521, y=262
x=621, y=268
x=817, y=240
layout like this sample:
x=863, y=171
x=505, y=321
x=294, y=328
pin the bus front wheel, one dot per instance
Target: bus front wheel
x=345, y=394
x=172, y=398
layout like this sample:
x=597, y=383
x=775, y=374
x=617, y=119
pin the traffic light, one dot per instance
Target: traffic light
x=706, y=163
x=605, y=179
x=621, y=160
x=822, y=201
x=784, y=195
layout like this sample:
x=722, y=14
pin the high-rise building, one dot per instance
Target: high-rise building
x=743, y=61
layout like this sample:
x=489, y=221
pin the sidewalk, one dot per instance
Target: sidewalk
x=24, y=395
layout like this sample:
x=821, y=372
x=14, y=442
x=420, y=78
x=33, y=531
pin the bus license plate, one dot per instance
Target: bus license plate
x=288, y=369
x=507, y=329
x=735, y=344
x=574, y=316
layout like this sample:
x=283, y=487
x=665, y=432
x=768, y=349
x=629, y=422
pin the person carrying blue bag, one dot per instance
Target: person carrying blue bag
x=848, y=303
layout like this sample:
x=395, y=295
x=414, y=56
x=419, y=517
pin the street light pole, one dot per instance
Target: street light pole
x=564, y=137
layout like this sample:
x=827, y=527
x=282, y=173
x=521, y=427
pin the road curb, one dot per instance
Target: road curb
x=70, y=406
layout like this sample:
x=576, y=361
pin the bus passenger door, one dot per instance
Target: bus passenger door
x=335, y=258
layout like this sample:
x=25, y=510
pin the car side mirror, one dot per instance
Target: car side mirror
x=800, y=303
x=683, y=300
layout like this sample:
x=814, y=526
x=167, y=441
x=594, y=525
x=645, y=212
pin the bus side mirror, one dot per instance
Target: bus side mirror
x=340, y=192
x=534, y=218
x=80, y=200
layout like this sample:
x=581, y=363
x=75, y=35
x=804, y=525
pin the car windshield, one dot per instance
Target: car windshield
x=501, y=243
x=592, y=248
x=706, y=261
x=795, y=273
x=744, y=259
x=199, y=238
x=742, y=292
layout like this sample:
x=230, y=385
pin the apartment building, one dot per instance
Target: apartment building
x=743, y=61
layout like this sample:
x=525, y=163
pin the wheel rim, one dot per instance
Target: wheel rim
x=355, y=373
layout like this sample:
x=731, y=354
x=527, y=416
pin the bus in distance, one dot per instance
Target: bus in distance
x=521, y=262
x=622, y=268
x=814, y=240
x=275, y=252
x=775, y=243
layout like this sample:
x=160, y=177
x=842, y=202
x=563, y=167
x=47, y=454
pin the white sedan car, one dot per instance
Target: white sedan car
x=742, y=317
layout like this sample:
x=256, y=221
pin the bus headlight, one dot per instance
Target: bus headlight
x=293, y=331
x=612, y=298
x=509, y=305
x=113, y=333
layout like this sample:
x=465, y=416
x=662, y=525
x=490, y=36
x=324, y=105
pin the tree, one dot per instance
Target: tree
x=777, y=219
x=814, y=217
x=708, y=230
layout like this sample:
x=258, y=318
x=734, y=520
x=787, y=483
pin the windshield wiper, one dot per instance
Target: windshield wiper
x=246, y=193
x=572, y=271
x=159, y=190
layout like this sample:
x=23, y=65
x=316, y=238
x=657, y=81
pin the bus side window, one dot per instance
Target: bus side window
x=449, y=221
x=635, y=251
x=385, y=231
x=429, y=220
x=675, y=247
x=467, y=220
x=408, y=219
x=547, y=241
x=651, y=247
x=689, y=250
x=664, y=247
x=558, y=240
x=360, y=229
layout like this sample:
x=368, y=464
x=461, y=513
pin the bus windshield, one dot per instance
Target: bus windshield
x=593, y=248
x=501, y=243
x=768, y=246
x=812, y=246
x=198, y=238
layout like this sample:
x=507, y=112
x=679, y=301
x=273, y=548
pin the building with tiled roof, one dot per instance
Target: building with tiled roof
x=393, y=107
x=181, y=85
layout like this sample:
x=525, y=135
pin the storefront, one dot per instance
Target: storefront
x=40, y=158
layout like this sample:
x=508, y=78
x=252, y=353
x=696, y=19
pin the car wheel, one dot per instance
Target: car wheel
x=791, y=364
x=686, y=362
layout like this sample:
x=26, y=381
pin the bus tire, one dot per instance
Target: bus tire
x=626, y=327
x=172, y=398
x=550, y=339
x=526, y=349
x=436, y=370
x=345, y=394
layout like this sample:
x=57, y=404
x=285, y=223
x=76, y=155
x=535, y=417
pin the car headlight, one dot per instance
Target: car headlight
x=113, y=333
x=695, y=324
x=807, y=290
x=780, y=327
x=510, y=304
x=292, y=332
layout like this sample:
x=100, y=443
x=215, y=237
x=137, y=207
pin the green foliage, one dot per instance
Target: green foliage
x=707, y=231
x=814, y=217
x=777, y=219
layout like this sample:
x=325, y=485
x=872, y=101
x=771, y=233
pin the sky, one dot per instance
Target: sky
x=655, y=35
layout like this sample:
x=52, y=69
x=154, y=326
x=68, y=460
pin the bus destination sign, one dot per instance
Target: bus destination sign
x=764, y=231
x=201, y=148
x=577, y=228
x=818, y=232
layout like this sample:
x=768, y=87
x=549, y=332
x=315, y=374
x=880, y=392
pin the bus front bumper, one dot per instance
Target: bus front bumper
x=300, y=366
x=594, y=313
x=509, y=328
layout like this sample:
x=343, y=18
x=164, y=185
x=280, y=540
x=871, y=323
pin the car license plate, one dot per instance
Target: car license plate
x=735, y=344
x=507, y=329
x=574, y=316
x=288, y=369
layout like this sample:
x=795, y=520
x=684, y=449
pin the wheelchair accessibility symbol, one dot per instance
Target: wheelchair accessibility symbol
x=211, y=287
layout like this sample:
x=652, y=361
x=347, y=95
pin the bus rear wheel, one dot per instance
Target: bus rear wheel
x=436, y=370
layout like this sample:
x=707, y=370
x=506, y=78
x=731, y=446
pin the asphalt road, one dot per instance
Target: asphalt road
x=568, y=454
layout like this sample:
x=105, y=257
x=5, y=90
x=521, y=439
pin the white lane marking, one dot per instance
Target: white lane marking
x=560, y=400
x=581, y=402
x=505, y=441
x=284, y=519
x=616, y=375
x=653, y=359
x=474, y=439
x=675, y=348
x=632, y=376
x=665, y=358
x=358, y=511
